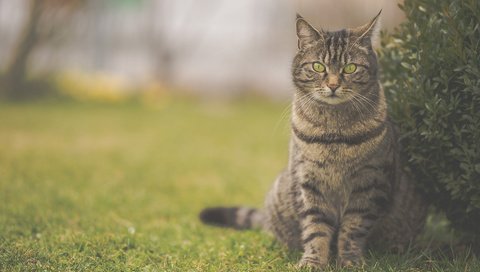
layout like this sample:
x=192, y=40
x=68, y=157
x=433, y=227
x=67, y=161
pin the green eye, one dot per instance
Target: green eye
x=318, y=67
x=349, y=68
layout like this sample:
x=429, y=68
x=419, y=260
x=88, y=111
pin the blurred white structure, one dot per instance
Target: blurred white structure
x=216, y=47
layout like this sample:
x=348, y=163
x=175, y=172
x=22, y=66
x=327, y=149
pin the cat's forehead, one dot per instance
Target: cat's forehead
x=335, y=39
x=337, y=47
x=339, y=34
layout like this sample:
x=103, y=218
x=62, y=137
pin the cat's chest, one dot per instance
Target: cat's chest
x=330, y=165
x=348, y=152
x=337, y=156
x=306, y=169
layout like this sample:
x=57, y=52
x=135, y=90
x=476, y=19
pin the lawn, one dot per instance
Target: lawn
x=93, y=187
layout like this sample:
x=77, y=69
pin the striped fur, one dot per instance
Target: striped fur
x=344, y=187
x=233, y=217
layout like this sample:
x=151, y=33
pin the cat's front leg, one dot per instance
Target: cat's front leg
x=318, y=223
x=366, y=205
x=352, y=238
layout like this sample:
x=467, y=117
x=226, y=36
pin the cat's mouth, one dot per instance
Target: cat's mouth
x=332, y=98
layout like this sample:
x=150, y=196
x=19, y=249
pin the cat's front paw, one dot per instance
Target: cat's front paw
x=351, y=262
x=312, y=264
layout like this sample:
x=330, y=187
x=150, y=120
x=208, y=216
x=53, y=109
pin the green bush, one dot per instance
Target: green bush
x=432, y=80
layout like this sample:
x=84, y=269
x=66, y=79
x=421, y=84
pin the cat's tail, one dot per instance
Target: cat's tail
x=233, y=217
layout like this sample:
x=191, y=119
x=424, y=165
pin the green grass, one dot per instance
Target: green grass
x=118, y=188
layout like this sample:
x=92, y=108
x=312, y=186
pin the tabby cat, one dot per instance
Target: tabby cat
x=343, y=189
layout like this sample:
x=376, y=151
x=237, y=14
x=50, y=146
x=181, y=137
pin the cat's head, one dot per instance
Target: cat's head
x=335, y=67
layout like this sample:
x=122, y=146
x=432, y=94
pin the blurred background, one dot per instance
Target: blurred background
x=212, y=48
x=121, y=119
x=125, y=113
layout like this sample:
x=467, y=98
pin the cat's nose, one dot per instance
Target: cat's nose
x=333, y=82
x=333, y=87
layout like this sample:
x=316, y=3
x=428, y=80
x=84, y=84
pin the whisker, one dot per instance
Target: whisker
x=286, y=112
x=367, y=104
x=357, y=105
x=368, y=101
x=301, y=100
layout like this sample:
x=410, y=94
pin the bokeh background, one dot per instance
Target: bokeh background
x=212, y=48
x=121, y=119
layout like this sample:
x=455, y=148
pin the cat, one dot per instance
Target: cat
x=344, y=189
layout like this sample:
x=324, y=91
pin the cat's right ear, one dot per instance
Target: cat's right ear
x=306, y=33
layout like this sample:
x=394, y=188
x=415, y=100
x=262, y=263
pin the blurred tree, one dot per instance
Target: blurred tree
x=167, y=46
x=43, y=19
x=16, y=68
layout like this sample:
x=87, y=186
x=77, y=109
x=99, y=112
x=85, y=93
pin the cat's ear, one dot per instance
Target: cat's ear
x=368, y=32
x=306, y=33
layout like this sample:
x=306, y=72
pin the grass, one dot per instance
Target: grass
x=118, y=188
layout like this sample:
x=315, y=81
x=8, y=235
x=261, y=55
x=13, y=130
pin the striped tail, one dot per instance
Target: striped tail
x=233, y=217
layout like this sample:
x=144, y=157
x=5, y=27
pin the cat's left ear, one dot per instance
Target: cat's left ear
x=369, y=32
x=306, y=33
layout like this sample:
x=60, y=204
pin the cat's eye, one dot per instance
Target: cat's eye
x=349, y=68
x=318, y=67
